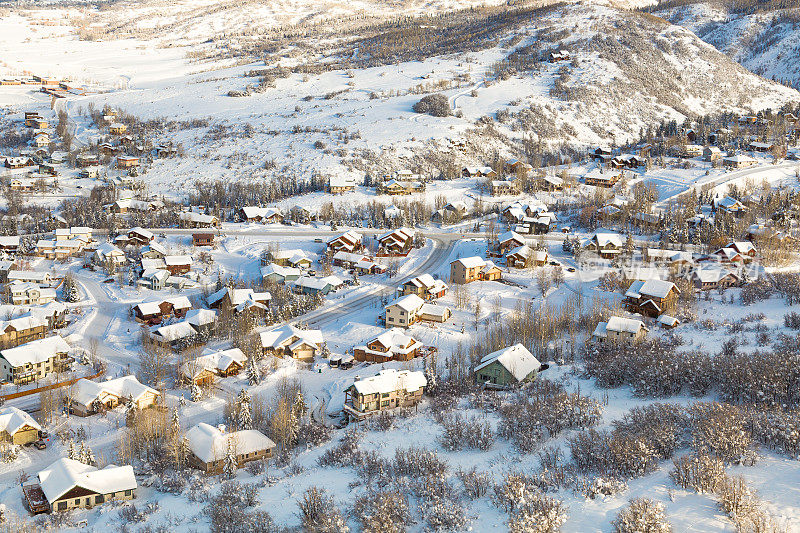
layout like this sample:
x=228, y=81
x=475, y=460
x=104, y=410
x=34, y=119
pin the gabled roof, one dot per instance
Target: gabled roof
x=210, y=444
x=66, y=474
x=37, y=351
x=13, y=419
x=516, y=359
x=510, y=236
x=408, y=303
x=652, y=287
x=391, y=380
x=85, y=391
x=215, y=361
x=287, y=335
x=200, y=317
x=471, y=262
x=173, y=332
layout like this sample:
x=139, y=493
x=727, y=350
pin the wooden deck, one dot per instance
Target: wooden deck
x=35, y=499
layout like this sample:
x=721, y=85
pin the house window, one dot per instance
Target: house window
x=128, y=492
x=385, y=395
x=62, y=506
x=384, y=404
x=77, y=501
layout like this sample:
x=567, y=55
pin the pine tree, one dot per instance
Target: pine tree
x=299, y=407
x=231, y=465
x=197, y=394
x=82, y=455
x=244, y=419
x=131, y=412
x=175, y=423
x=90, y=459
x=253, y=374
x=71, y=452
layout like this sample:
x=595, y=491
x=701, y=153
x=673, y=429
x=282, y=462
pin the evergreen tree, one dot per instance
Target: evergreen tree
x=244, y=419
x=231, y=464
x=71, y=452
x=197, y=394
x=253, y=374
x=175, y=423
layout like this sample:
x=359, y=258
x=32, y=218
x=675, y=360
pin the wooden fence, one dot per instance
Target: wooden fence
x=58, y=385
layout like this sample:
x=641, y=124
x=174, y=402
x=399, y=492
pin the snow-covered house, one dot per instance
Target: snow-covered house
x=521, y=256
x=651, y=297
x=349, y=241
x=605, y=244
x=619, y=329
x=34, y=360
x=424, y=286
x=26, y=293
x=192, y=219
x=267, y=215
x=139, y=236
x=211, y=447
x=387, y=390
x=508, y=241
x=506, y=367
x=598, y=178
x=178, y=336
x=89, y=397
x=203, y=320
x=237, y=299
x=469, y=269
x=392, y=345
x=396, y=242
x=409, y=309
x=22, y=329
x=17, y=426
x=68, y=484
x=341, y=184
x=713, y=278
x=29, y=276
x=107, y=253
x=295, y=258
x=279, y=274
x=291, y=341
x=223, y=363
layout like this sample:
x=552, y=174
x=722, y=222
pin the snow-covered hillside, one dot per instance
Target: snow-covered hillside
x=767, y=43
x=337, y=98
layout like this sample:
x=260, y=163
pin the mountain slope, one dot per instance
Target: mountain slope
x=765, y=41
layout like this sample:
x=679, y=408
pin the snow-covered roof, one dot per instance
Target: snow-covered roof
x=85, y=391
x=287, y=335
x=282, y=271
x=471, y=262
x=66, y=474
x=214, y=361
x=390, y=380
x=26, y=321
x=509, y=236
x=516, y=359
x=173, y=332
x=37, y=351
x=605, y=238
x=210, y=444
x=13, y=419
x=200, y=317
x=651, y=287
x=146, y=234
x=668, y=320
x=177, y=260
x=620, y=325
x=408, y=303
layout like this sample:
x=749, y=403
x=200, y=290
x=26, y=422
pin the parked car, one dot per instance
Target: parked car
x=41, y=444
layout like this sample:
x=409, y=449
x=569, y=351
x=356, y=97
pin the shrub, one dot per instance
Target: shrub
x=700, y=472
x=383, y=512
x=435, y=105
x=792, y=320
x=444, y=514
x=461, y=432
x=476, y=484
x=642, y=516
x=719, y=429
x=319, y=514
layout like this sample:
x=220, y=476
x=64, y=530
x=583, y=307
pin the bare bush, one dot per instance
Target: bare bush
x=435, y=105
x=642, y=515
